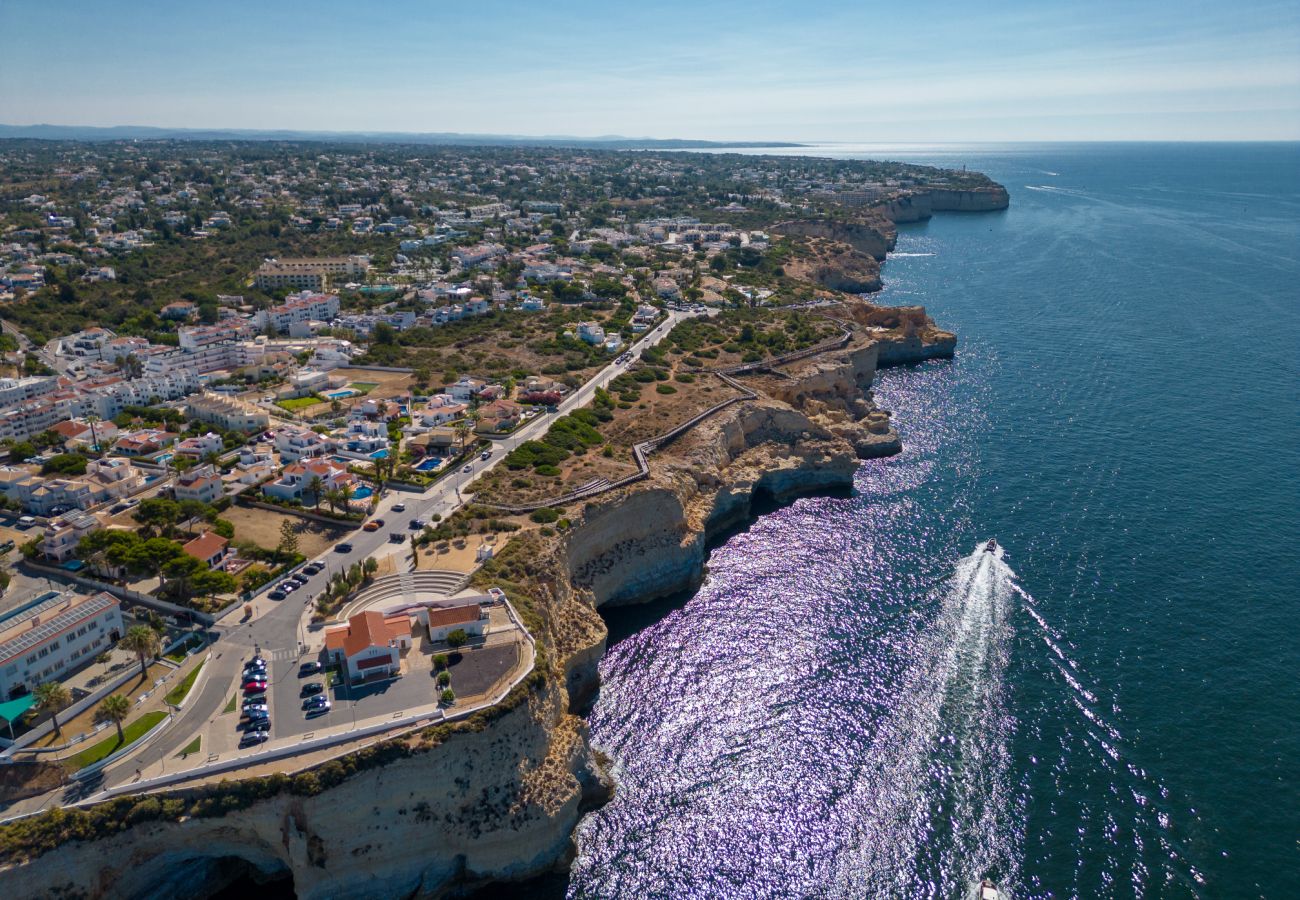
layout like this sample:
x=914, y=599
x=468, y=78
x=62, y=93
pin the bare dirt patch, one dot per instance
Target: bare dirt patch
x=262, y=527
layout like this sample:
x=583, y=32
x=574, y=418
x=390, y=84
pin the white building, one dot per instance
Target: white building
x=51, y=636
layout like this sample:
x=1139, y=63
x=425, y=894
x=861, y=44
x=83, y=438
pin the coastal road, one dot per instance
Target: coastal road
x=281, y=630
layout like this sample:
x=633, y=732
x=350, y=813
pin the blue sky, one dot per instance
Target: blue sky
x=865, y=71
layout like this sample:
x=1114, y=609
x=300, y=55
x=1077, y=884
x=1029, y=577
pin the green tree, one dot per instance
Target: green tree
x=143, y=641
x=52, y=697
x=315, y=487
x=457, y=638
x=22, y=451
x=65, y=464
x=288, y=546
x=114, y=708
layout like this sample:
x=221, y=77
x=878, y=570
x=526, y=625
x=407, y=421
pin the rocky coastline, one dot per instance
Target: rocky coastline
x=497, y=798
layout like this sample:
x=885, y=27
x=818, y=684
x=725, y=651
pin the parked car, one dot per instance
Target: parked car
x=486, y=454
x=372, y=525
x=309, y=668
x=311, y=688
x=254, y=670
x=315, y=711
x=399, y=507
x=300, y=578
x=277, y=594
x=254, y=700
x=415, y=524
x=255, y=686
x=317, y=702
x=256, y=710
x=258, y=725
x=396, y=537
x=343, y=548
x=312, y=568
x=253, y=738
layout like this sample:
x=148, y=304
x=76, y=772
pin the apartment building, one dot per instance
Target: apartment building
x=308, y=274
x=304, y=307
x=196, y=337
x=227, y=413
x=54, y=634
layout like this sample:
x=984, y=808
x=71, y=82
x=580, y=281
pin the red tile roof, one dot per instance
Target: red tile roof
x=365, y=630
x=206, y=546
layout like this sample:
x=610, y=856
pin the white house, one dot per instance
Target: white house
x=370, y=646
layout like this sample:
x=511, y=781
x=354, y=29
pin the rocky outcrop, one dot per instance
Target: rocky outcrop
x=836, y=266
x=804, y=434
x=871, y=233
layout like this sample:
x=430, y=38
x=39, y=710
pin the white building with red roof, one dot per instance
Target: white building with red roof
x=370, y=646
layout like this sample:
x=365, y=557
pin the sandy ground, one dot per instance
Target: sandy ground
x=262, y=527
x=457, y=555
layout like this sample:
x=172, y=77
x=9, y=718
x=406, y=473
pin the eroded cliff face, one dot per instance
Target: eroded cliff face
x=495, y=804
x=837, y=266
x=805, y=434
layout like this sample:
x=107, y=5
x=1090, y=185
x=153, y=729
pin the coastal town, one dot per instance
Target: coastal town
x=288, y=432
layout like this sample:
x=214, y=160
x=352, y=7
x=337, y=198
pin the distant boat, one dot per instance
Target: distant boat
x=991, y=546
x=987, y=890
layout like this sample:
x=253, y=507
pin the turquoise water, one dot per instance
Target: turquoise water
x=859, y=703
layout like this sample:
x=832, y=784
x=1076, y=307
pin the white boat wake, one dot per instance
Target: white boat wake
x=940, y=762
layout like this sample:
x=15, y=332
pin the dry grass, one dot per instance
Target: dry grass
x=262, y=527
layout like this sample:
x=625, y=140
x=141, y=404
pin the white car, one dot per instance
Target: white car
x=399, y=507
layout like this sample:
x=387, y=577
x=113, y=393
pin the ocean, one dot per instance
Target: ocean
x=858, y=702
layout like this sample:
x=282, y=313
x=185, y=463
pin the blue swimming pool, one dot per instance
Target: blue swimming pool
x=428, y=465
x=362, y=493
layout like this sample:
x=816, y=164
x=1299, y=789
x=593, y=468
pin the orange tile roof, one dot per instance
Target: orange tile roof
x=365, y=630
x=456, y=615
x=206, y=545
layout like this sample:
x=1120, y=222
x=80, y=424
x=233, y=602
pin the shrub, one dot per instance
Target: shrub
x=444, y=678
x=665, y=389
x=457, y=638
x=547, y=470
x=448, y=696
x=440, y=661
x=545, y=516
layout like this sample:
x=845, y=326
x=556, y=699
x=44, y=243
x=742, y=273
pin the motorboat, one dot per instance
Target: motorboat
x=988, y=890
x=991, y=546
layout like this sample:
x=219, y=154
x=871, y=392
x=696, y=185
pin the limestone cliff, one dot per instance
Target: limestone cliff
x=871, y=233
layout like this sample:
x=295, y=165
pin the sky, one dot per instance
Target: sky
x=989, y=70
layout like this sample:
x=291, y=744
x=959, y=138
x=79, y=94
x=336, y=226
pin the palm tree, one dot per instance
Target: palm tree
x=143, y=642
x=332, y=498
x=463, y=429
x=114, y=708
x=51, y=697
x=316, y=486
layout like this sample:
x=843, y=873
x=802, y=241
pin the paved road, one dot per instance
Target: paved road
x=279, y=629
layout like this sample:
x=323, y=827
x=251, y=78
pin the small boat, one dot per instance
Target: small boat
x=987, y=890
x=991, y=546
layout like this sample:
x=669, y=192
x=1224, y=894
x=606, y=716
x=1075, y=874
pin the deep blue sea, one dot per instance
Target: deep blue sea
x=858, y=703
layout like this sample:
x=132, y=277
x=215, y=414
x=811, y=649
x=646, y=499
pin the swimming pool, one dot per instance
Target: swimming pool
x=342, y=395
x=428, y=465
x=362, y=492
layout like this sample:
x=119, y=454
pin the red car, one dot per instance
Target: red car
x=254, y=687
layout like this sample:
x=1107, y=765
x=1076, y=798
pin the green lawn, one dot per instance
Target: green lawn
x=364, y=387
x=132, y=732
x=178, y=693
x=191, y=747
x=297, y=403
x=230, y=707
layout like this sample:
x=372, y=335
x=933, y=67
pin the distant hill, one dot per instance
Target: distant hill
x=150, y=133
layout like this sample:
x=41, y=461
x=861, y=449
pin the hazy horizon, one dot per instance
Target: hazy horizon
x=1013, y=71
